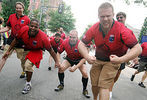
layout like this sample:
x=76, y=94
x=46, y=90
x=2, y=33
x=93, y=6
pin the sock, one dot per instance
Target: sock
x=84, y=81
x=28, y=82
x=61, y=78
x=110, y=94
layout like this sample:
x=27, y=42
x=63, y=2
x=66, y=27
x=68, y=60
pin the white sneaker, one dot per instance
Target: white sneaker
x=26, y=89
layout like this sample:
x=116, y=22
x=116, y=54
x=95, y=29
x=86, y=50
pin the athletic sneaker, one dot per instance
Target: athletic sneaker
x=132, y=77
x=26, y=89
x=141, y=84
x=22, y=75
x=49, y=68
x=85, y=93
x=59, y=87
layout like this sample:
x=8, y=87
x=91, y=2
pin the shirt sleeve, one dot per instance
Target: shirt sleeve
x=21, y=31
x=46, y=43
x=87, y=38
x=128, y=37
x=8, y=22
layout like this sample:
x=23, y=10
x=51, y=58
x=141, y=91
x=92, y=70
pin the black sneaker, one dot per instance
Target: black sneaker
x=85, y=93
x=26, y=89
x=141, y=84
x=59, y=87
x=22, y=75
x=49, y=68
x=132, y=77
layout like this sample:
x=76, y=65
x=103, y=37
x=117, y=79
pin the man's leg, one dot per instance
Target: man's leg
x=140, y=69
x=50, y=62
x=20, y=55
x=29, y=76
x=115, y=79
x=104, y=94
x=65, y=64
x=95, y=91
x=142, y=80
x=106, y=79
x=84, y=73
x=144, y=76
x=94, y=76
x=29, y=71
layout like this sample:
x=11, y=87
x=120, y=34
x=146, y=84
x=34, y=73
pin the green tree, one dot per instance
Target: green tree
x=8, y=8
x=143, y=30
x=64, y=20
x=36, y=14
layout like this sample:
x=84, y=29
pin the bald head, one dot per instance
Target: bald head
x=73, y=37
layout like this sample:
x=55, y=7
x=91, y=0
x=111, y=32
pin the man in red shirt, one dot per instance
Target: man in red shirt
x=72, y=61
x=55, y=41
x=34, y=42
x=15, y=23
x=110, y=37
x=62, y=33
x=142, y=65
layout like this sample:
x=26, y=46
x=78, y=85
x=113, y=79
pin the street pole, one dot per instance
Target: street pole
x=42, y=4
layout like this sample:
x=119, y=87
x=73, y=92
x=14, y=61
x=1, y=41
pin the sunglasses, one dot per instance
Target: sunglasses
x=119, y=18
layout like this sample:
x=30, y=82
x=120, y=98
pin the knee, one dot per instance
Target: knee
x=29, y=68
x=85, y=74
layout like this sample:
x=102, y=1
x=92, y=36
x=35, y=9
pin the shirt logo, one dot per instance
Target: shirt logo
x=22, y=21
x=76, y=50
x=111, y=38
x=34, y=43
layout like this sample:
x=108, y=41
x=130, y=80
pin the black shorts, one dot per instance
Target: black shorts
x=55, y=50
x=122, y=66
x=72, y=62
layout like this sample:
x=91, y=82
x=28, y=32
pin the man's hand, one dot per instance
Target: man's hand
x=115, y=59
x=91, y=59
x=57, y=64
x=72, y=69
x=5, y=56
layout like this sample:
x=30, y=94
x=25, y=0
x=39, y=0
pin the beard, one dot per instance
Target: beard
x=32, y=35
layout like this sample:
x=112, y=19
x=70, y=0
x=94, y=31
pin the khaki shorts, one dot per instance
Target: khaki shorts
x=29, y=66
x=102, y=73
x=19, y=51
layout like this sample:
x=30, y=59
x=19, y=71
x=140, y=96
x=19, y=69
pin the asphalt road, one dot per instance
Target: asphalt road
x=44, y=82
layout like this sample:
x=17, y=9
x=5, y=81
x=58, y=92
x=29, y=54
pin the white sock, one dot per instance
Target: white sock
x=28, y=82
x=110, y=95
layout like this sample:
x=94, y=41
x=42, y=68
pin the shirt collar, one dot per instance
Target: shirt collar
x=100, y=28
x=20, y=16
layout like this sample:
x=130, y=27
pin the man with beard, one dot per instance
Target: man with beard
x=55, y=41
x=34, y=41
x=72, y=61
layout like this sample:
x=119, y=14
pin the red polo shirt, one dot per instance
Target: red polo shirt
x=113, y=43
x=34, y=44
x=17, y=23
x=55, y=44
x=40, y=41
x=72, y=51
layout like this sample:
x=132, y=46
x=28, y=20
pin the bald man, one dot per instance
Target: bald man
x=73, y=61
